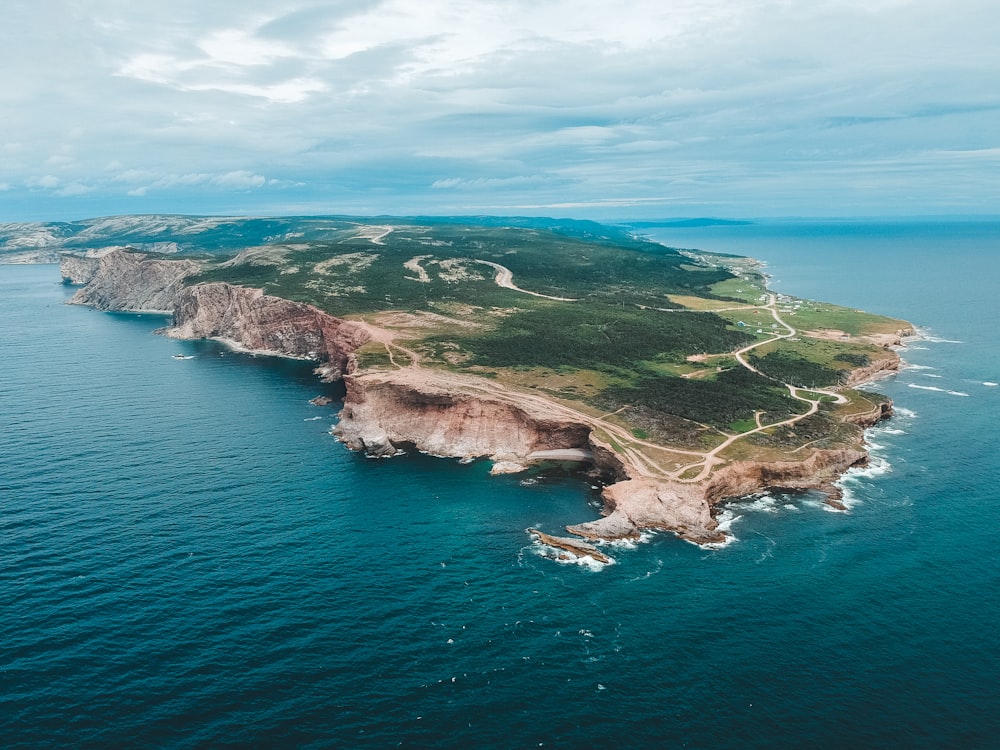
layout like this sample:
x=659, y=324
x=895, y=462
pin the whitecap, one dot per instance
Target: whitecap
x=625, y=543
x=761, y=503
x=725, y=520
x=892, y=431
x=939, y=340
x=584, y=561
x=565, y=557
x=919, y=367
x=902, y=411
x=729, y=539
x=847, y=497
x=877, y=467
x=648, y=573
x=990, y=384
x=312, y=419
x=939, y=390
x=931, y=375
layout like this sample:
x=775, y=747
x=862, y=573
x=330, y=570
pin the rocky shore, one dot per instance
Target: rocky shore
x=452, y=415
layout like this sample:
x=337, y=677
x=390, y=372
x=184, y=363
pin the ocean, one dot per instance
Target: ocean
x=189, y=559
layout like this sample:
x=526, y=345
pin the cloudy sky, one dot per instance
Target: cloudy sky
x=590, y=108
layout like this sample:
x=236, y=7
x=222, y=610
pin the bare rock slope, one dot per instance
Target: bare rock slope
x=126, y=281
x=258, y=322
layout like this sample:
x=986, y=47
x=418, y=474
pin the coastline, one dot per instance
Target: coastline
x=455, y=416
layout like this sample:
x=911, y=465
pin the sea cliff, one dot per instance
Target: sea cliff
x=126, y=281
x=451, y=416
x=454, y=415
x=242, y=317
x=252, y=320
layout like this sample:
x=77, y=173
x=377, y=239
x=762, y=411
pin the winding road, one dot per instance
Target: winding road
x=505, y=278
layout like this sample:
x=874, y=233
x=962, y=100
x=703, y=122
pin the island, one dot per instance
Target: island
x=675, y=376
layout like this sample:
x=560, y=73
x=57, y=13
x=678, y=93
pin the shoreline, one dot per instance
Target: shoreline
x=465, y=417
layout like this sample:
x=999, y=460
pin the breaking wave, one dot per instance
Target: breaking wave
x=939, y=390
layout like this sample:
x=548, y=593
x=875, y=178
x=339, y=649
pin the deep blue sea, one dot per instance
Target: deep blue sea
x=189, y=559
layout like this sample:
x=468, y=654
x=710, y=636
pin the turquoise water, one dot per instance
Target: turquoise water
x=188, y=558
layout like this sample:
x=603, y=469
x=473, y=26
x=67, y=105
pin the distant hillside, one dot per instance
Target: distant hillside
x=40, y=242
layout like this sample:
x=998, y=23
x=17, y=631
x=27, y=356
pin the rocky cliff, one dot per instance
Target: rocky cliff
x=78, y=269
x=247, y=318
x=444, y=413
x=131, y=281
x=688, y=508
x=818, y=471
x=450, y=417
x=879, y=368
x=258, y=322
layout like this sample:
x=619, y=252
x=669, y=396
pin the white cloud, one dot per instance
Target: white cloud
x=559, y=104
x=49, y=182
x=240, y=180
x=74, y=189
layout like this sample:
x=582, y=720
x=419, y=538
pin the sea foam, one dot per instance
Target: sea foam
x=939, y=390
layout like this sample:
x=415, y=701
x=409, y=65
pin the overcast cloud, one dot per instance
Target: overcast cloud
x=583, y=108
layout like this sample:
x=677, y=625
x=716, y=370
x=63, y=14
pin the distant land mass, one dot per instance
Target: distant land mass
x=687, y=223
x=673, y=376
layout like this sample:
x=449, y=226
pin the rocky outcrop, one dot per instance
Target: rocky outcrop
x=889, y=340
x=450, y=415
x=78, y=269
x=687, y=508
x=871, y=417
x=880, y=368
x=818, y=471
x=252, y=320
x=384, y=410
x=128, y=281
x=246, y=318
x=653, y=503
x=575, y=547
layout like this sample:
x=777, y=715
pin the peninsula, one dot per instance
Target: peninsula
x=675, y=375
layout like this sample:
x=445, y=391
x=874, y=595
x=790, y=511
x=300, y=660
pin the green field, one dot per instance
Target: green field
x=641, y=331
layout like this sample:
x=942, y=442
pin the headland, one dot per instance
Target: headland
x=676, y=377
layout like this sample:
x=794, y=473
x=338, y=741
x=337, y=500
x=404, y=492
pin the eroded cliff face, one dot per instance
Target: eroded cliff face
x=385, y=410
x=126, y=281
x=78, y=269
x=688, y=508
x=246, y=318
x=448, y=416
x=879, y=368
x=818, y=471
x=258, y=322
